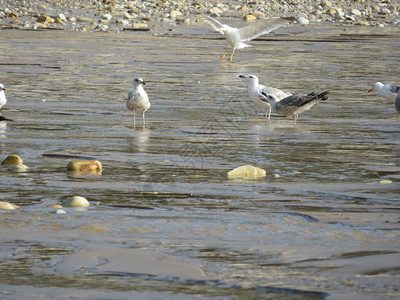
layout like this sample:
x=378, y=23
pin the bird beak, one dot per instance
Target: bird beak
x=3, y=89
x=143, y=82
x=370, y=90
x=242, y=76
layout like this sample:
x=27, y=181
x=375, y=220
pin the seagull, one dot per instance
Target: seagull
x=237, y=36
x=3, y=99
x=388, y=91
x=138, y=100
x=255, y=91
x=295, y=104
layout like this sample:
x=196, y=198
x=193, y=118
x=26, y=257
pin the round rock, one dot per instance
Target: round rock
x=76, y=201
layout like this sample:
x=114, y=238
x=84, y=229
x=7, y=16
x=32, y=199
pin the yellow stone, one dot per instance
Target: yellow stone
x=85, y=166
x=7, y=206
x=54, y=206
x=12, y=160
x=76, y=201
x=250, y=18
x=247, y=172
x=385, y=182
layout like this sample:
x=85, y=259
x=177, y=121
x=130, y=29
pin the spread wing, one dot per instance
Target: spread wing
x=212, y=22
x=261, y=27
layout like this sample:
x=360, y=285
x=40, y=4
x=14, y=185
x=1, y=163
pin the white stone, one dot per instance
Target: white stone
x=62, y=17
x=106, y=17
x=175, y=13
x=303, y=21
x=356, y=12
x=385, y=10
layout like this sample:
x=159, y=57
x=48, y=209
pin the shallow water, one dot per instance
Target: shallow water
x=165, y=221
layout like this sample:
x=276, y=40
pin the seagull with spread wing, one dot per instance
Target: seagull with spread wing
x=237, y=36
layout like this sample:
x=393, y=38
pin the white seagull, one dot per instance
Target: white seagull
x=237, y=36
x=138, y=100
x=295, y=104
x=388, y=91
x=3, y=99
x=255, y=91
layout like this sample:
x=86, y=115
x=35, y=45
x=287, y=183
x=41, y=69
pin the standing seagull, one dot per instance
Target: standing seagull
x=255, y=91
x=388, y=91
x=3, y=99
x=138, y=100
x=295, y=104
x=236, y=36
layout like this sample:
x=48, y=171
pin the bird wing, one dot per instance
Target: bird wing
x=212, y=22
x=261, y=27
x=394, y=88
x=298, y=100
x=277, y=93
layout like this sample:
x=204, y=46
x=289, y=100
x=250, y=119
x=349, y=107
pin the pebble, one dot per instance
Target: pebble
x=91, y=166
x=7, y=206
x=12, y=160
x=385, y=182
x=76, y=201
x=36, y=14
x=303, y=21
x=247, y=171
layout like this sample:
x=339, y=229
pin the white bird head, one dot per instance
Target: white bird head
x=267, y=98
x=2, y=88
x=250, y=78
x=138, y=81
x=376, y=86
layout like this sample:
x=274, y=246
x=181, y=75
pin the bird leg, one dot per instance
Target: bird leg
x=231, y=58
x=134, y=120
x=268, y=114
x=144, y=121
x=223, y=55
x=295, y=119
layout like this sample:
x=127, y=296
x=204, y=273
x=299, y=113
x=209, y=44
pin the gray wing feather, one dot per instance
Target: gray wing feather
x=395, y=88
x=261, y=27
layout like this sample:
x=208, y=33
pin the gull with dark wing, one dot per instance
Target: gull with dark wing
x=138, y=100
x=388, y=91
x=237, y=36
x=255, y=91
x=294, y=104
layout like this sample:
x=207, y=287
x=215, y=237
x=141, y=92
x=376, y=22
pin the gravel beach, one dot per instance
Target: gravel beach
x=118, y=15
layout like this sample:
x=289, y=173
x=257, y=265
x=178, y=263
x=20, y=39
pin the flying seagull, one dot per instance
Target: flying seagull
x=237, y=36
x=138, y=100
x=295, y=104
x=255, y=89
x=3, y=99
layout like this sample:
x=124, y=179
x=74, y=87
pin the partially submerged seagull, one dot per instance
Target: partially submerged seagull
x=237, y=36
x=255, y=91
x=3, y=99
x=294, y=105
x=388, y=91
x=138, y=100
